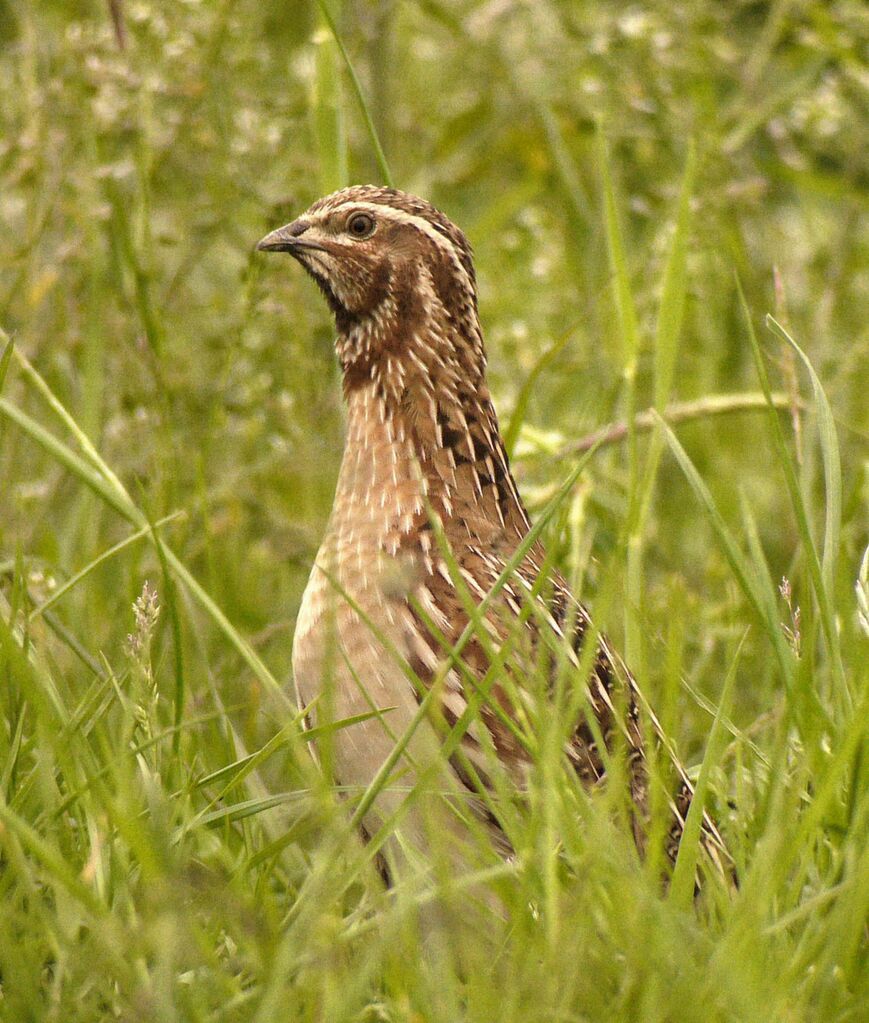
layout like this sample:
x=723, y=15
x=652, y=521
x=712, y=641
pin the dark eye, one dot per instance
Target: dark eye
x=360, y=225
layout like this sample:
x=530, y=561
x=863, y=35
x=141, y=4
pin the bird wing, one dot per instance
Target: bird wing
x=488, y=693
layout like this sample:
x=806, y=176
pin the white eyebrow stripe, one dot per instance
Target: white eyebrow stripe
x=420, y=223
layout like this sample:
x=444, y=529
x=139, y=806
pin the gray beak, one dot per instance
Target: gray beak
x=288, y=239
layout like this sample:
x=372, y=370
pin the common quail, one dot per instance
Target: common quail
x=426, y=519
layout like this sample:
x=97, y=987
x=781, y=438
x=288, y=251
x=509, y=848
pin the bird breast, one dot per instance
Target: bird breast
x=369, y=560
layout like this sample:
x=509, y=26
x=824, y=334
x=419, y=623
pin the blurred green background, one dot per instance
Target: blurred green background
x=145, y=147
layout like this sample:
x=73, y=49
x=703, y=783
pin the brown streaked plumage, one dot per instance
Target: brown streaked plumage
x=426, y=516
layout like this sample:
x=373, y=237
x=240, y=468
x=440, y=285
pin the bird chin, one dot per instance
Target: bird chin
x=322, y=281
x=312, y=261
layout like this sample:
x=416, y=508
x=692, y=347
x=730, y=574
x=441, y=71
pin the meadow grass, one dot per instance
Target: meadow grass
x=665, y=202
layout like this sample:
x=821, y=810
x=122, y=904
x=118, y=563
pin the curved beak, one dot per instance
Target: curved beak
x=287, y=239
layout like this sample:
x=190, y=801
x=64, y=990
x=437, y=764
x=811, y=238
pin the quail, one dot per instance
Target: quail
x=426, y=552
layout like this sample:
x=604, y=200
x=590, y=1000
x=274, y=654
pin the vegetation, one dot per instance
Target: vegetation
x=643, y=184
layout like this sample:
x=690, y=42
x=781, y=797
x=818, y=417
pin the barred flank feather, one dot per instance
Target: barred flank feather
x=426, y=516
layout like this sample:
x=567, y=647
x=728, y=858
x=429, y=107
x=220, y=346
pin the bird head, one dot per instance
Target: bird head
x=392, y=268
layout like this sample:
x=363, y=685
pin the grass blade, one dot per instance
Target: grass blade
x=831, y=458
x=360, y=97
x=682, y=885
x=671, y=310
x=6, y=357
x=739, y=565
x=630, y=342
x=622, y=296
x=786, y=461
x=328, y=115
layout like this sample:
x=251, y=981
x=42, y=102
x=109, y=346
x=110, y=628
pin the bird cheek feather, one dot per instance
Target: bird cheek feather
x=364, y=286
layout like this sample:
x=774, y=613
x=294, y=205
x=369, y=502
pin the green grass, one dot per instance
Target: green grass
x=665, y=202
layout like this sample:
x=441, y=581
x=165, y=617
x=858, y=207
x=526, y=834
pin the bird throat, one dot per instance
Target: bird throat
x=412, y=452
x=421, y=424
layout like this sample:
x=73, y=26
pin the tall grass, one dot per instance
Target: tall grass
x=169, y=434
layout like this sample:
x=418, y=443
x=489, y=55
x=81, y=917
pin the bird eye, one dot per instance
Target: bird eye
x=360, y=225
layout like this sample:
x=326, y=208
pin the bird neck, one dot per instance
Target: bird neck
x=436, y=448
x=415, y=375
x=420, y=341
x=420, y=413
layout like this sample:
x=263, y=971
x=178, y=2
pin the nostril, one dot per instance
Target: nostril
x=298, y=227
